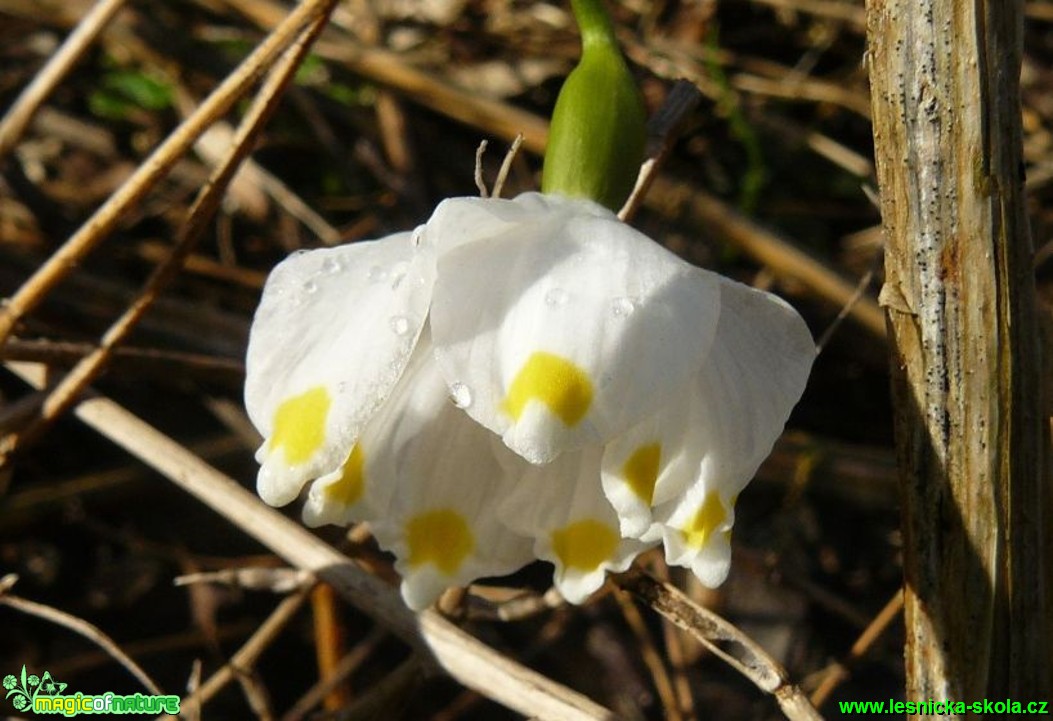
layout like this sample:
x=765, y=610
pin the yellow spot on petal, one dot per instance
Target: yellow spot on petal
x=641, y=470
x=584, y=545
x=299, y=424
x=348, y=489
x=707, y=518
x=439, y=537
x=553, y=380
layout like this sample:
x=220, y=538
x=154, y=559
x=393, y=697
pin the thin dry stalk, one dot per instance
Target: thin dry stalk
x=506, y=165
x=275, y=580
x=480, y=182
x=145, y=361
x=63, y=260
x=715, y=633
x=201, y=212
x=340, y=673
x=838, y=672
x=329, y=645
x=247, y=656
x=463, y=657
x=651, y=658
x=662, y=131
x=846, y=12
x=857, y=296
x=21, y=112
x=79, y=626
x=678, y=662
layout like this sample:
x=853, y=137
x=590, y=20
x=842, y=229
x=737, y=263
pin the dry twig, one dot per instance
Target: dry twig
x=63, y=260
x=25, y=107
x=714, y=632
x=79, y=626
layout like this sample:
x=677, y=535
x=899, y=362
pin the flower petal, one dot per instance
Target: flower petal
x=431, y=483
x=457, y=221
x=562, y=507
x=713, y=441
x=333, y=332
x=567, y=327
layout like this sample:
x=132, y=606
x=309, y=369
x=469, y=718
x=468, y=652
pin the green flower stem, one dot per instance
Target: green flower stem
x=596, y=141
x=594, y=23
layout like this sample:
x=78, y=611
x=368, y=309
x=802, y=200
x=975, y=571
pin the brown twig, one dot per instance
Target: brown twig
x=329, y=633
x=21, y=112
x=723, y=639
x=662, y=130
x=506, y=165
x=839, y=672
x=63, y=260
x=340, y=673
x=651, y=658
x=79, y=626
x=249, y=653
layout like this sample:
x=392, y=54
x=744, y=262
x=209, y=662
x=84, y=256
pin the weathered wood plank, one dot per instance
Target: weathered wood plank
x=960, y=295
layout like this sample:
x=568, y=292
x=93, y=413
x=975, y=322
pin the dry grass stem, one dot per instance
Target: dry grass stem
x=506, y=165
x=275, y=580
x=839, y=672
x=651, y=658
x=662, y=130
x=857, y=296
x=78, y=626
x=245, y=657
x=480, y=182
x=25, y=107
x=63, y=260
x=718, y=635
x=840, y=10
x=343, y=669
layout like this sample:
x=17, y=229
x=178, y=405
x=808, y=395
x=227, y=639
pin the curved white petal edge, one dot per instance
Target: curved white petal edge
x=516, y=380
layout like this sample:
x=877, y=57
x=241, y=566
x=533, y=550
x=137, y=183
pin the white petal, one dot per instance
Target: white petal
x=706, y=547
x=361, y=488
x=712, y=443
x=567, y=328
x=562, y=507
x=648, y=466
x=332, y=335
x=432, y=483
x=457, y=221
x=754, y=375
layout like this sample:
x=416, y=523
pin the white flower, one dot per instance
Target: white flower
x=635, y=395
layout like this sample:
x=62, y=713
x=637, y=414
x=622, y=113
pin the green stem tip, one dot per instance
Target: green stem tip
x=596, y=141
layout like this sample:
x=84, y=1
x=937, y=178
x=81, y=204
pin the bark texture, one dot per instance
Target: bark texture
x=965, y=360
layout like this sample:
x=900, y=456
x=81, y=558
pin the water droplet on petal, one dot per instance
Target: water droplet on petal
x=377, y=274
x=557, y=296
x=332, y=265
x=623, y=307
x=399, y=324
x=397, y=274
x=461, y=395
